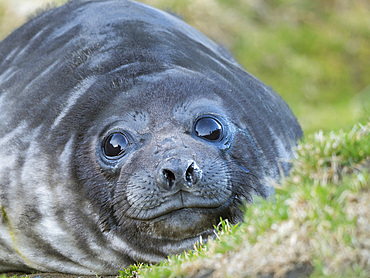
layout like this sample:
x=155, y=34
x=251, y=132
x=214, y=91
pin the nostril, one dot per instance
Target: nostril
x=169, y=177
x=189, y=175
x=193, y=175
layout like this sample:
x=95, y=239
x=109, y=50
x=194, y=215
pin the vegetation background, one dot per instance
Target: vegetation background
x=315, y=54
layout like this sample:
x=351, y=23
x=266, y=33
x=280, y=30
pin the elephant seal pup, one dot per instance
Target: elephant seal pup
x=125, y=135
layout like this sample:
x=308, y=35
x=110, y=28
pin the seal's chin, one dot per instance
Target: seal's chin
x=183, y=224
x=189, y=222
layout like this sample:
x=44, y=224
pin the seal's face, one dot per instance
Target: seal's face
x=165, y=165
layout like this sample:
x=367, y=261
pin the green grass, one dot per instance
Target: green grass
x=319, y=221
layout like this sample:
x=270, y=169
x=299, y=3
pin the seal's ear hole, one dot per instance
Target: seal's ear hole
x=115, y=145
x=209, y=128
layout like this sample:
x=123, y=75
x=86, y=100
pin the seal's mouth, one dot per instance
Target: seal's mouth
x=181, y=202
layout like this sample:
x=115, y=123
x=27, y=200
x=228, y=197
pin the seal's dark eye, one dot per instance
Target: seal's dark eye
x=115, y=145
x=208, y=128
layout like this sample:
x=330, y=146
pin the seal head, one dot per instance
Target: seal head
x=125, y=135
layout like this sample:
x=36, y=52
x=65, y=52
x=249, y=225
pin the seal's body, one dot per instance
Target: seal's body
x=125, y=135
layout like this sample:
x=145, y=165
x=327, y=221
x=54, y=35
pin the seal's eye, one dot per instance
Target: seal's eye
x=208, y=128
x=115, y=145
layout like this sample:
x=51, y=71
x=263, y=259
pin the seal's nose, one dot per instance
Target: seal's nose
x=178, y=174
